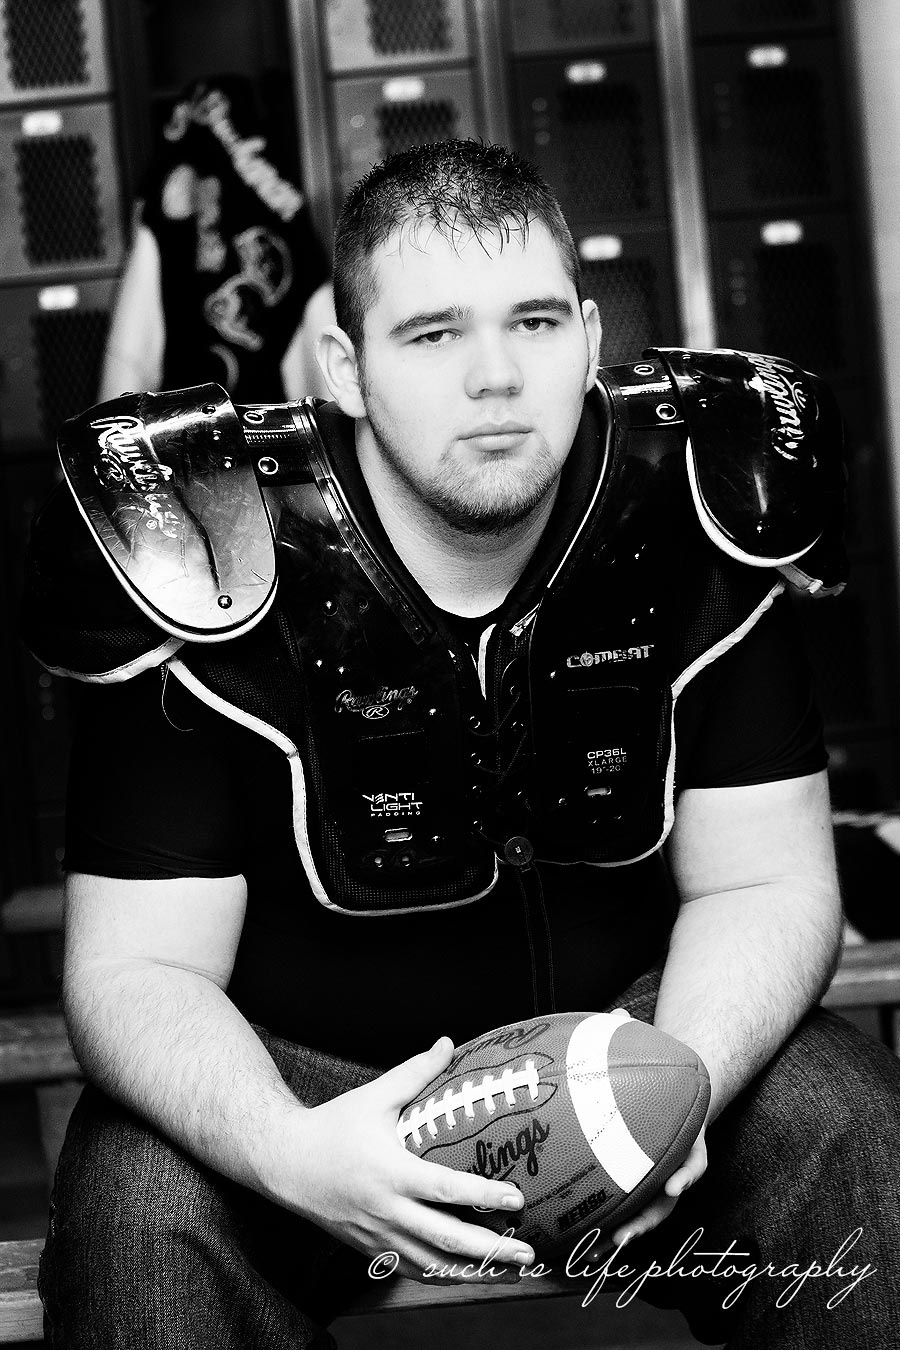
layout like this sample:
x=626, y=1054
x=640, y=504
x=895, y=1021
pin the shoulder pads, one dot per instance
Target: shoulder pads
x=166, y=485
x=765, y=461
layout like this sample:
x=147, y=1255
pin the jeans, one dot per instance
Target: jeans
x=147, y=1248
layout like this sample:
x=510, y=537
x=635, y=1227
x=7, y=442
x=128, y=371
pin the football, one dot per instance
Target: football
x=587, y=1113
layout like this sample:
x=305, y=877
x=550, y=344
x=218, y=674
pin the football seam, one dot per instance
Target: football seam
x=635, y=1064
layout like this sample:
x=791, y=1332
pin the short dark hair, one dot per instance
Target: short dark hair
x=452, y=184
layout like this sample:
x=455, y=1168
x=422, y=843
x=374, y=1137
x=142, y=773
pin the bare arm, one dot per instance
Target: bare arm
x=133, y=357
x=299, y=367
x=758, y=933
x=756, y=939
x=146, y=966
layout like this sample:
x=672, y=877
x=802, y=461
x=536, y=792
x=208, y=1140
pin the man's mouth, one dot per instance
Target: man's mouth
x=493, y=436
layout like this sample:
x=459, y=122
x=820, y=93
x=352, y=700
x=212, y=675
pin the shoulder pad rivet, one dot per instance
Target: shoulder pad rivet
x=518, y=851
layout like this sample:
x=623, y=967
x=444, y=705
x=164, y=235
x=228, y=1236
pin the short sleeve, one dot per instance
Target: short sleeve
x=151, y=791
x=751, y=717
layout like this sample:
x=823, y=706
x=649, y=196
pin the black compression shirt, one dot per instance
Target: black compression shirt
x=163, y=787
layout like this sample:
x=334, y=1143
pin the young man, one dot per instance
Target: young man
x=344, y=831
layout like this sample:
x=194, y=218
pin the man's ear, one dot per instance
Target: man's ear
x=337, y=361
x=594, y=331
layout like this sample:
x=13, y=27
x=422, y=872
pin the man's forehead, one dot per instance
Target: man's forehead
x=426, y=233
x=418, y=244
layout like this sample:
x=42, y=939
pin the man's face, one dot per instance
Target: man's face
x=476, y=361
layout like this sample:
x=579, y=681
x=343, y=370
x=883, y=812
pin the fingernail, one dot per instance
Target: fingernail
x=513, y=1200
x=523, y=1257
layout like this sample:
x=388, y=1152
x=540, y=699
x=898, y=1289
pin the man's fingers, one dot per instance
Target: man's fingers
x=452, y=1242
x=679, y=1181
x=661, y=1207
x=691, y=1169
x=445, y=1186
x=644, y=1222
x=405, y=1081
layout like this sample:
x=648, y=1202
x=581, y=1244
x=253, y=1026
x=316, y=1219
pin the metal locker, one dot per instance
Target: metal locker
x=862, y=773
x=58, y=191
x=725, y=18
x=38, y=735
x=51, y=346
x=592, y=127
x=790, y=286
x=772, y=124
x=367, y=34
x=628, y=271
x=847, y=641
x=562, y=25
x=868, y=497
x=377, y=117
x=52, y=49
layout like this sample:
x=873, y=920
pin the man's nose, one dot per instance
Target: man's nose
x=493, y=368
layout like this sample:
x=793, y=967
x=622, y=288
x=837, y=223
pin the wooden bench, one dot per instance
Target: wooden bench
x=33, y=1048
x=21, y=1317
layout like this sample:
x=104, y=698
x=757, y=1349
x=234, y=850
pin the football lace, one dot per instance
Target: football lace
x=444, y=1109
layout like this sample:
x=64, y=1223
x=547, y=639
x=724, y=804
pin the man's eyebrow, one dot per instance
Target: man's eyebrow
x=552, y=304
x=432, y=318
x=435, y=318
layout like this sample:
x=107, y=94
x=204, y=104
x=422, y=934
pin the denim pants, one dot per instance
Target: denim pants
x=148, y=1249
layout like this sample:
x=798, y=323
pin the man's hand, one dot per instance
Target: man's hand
x=661, y=1206
x=360, y=1183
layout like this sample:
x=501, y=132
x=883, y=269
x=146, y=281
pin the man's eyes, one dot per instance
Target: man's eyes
x=537, y=324
x=435, y=337
x=440, y=337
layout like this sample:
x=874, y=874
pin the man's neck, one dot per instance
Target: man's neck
x=462, y=573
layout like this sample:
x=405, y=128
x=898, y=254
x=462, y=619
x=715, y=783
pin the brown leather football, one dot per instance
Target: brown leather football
x=587, y=1113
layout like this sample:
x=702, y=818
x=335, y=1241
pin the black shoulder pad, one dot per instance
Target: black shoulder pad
x=76, y=618
x=765, y=461
x=166, y=485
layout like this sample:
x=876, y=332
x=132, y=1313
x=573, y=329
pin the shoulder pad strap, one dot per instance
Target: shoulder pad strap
x=167, y=486
x=765, y=461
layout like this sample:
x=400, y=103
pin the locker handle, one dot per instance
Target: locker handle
x=767, y=57
x=600, y=247
x=404, y=89
x=58, y=297
x=42, y=122
x=778, y=232
x=586, y=72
